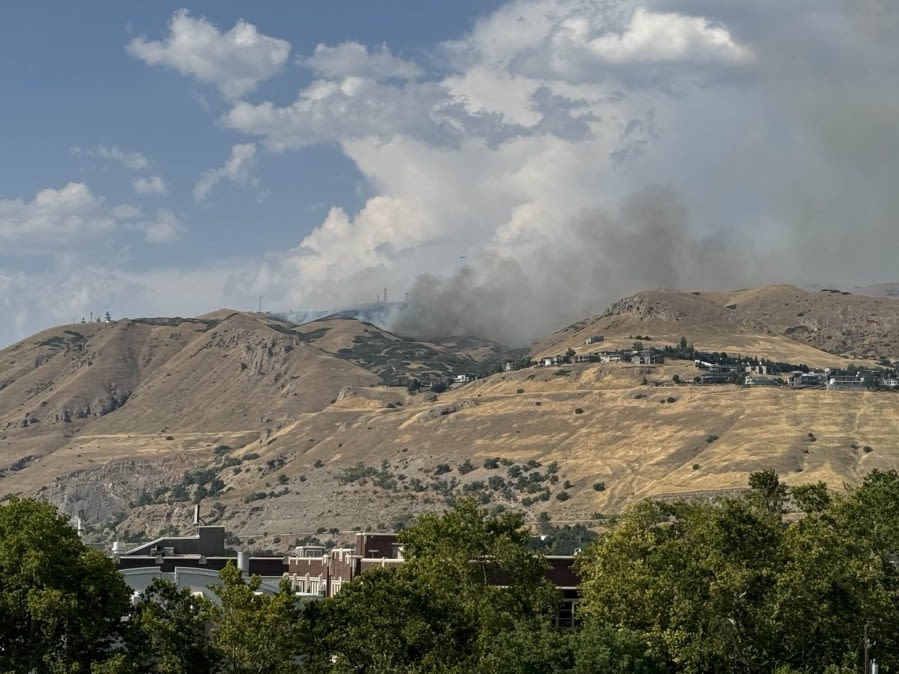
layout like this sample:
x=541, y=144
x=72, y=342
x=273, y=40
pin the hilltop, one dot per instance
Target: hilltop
x=285, y=431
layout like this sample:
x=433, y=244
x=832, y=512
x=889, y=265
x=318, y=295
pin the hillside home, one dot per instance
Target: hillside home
x=715, y=378
x=760, y=380
x=586, y=358
x=594, y=339
x=553, y=360
x=846, y=383
x=463, y=378
x=808, y=379
x=610, y=356
x=648, y=357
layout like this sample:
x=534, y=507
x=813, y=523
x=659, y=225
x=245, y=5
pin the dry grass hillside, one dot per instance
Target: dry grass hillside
x=782, y=322
x=286, y=431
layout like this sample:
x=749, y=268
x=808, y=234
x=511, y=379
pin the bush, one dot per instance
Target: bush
x=711, y=438
x=599, y=486
x=465, y=467
x=563, y=496
x=867, y=449
x=672, y=399
x=695, y=466
x=442, y=468
x=578, y=410
x=492, y=463
x=249, y=456
x=676, y=379
x=521, y=390
x=318, y=463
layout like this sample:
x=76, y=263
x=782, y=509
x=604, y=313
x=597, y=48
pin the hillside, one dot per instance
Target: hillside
x=784, y=322
x=283, y=431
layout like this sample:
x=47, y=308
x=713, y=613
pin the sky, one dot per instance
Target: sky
x=508, y=167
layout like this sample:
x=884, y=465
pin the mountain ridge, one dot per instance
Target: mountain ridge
x=282, y=429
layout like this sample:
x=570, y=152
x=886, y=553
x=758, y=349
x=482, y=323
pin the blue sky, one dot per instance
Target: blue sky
x=512, y=165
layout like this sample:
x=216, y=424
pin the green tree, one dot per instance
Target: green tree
x=61, y=604
x=168, y=631
x=691, y=578
x=467, y=579
x=253, y=632
x=768, y=491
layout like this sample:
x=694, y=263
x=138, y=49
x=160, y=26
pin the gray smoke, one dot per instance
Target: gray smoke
x=600, y=257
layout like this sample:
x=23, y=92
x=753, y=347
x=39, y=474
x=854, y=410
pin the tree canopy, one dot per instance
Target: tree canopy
x=61, y=603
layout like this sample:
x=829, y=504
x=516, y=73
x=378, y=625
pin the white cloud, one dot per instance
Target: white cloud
x=351, y=59
x=164, y=228
x=235, y=61
x=658, y=37
x=55, y=217
x=134, y=161
x=149, y=185
x=238, y=168
x=71, y=218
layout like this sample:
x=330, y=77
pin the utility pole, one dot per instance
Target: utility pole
x=867, y=643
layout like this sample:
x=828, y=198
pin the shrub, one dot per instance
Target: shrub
x=672, y=399
x=695, y=466
x=711, y=438
x=249, y=456
x=599, y=486
x=563, y=496
x=465, y=467
x=442, y=468
x=867, y=449
x=318, y=463
x=676, y=379
x=492, y=463
x=521, y=390
x=283, y=479
x=578, y=410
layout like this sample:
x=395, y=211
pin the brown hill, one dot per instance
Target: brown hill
x=778, y=321
x=286, y=430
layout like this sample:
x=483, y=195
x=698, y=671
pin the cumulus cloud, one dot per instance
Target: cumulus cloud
x=149, y=185
x=235, y=61
x=131, y=160
x=56, y=217
x=73, y=217
x=351, y=59
x=237, y=168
